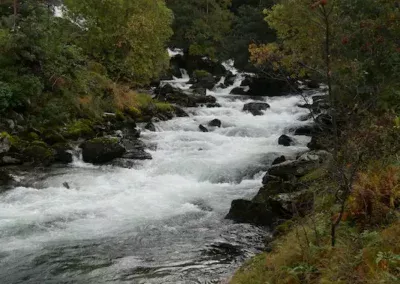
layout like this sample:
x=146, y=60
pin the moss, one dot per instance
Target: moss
x=201, y=74
x=314, y=175
x=119, y=115
x=79, y=129
x=104, y=140
x=164, y=107
x=134, y=112
x=40, y=152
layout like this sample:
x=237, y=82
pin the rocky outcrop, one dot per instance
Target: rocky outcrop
x=284, y=192
x=256, y=108
x=202, y=79
x=102, y=150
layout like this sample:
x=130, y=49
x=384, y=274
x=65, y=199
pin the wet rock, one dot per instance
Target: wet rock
x=306, y=130
x=203, y=128
x=256, y=108
x=230, y=79
x=102, y=150
x=66, y=185
x=265, y=214
x=180, y=112
x=63, y=153
x=150, y=126
x=200, y=91
x=238, y=91
x=261, y=86
x=166, y=89
x=137, y=154
x=185, y=98
x=312, y=84
x=202, y=79
x=247, y=81
x=215, y=123
x=268, y=178
x=213, y=105
x=285, y=140
x=10, y=160
x=123, y=163
x=305, y=117
x=304, y=164
x=5, y=144
x=39, y=152
x=279, y=160
x=5, y=179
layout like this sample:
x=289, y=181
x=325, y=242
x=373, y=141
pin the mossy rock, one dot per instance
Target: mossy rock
x=134, y=113
x=53, y=137
x=80, y=129
x=17, y=144
x=314, y=175
x=198, y=74
x=39, y=152
x=102, y=150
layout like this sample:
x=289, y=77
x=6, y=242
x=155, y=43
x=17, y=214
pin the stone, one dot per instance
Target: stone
x=137, y=154
x=150, y=126
x=256, y=108
x=102, y=150
x=180, y=112
x=306, y=130
x=203, y=128
x=285, y=140
x=215, y=123
x=264, y=214
x=238, y=91
x=279, y=160
x=52, y=137
x=5, y=144
x=230, y=79
x=213, y=105
x=200, y=91
x=9, y=160
x=5, y=178
x=63, y=153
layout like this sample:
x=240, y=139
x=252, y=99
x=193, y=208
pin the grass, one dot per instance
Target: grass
x=367, y=250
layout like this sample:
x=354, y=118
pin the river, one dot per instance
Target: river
x=160, y=222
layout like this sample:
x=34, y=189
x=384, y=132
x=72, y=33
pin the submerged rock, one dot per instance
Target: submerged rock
x=203, y=128
x=256, y=108
x=285, y=140
x=215, y=123
x=102, y=150
x=150, y=126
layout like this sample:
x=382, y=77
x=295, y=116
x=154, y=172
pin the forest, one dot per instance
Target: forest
x=72, y=69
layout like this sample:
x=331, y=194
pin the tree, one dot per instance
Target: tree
x=128, y=37
x=200, y=26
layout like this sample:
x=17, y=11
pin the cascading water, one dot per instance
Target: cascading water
x=161, y=222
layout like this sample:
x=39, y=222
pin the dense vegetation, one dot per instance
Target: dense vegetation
x=351, y=235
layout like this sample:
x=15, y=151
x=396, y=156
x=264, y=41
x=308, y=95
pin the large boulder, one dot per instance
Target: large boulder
x=102, y=150
x=261, y=86
x=238, y=91
x=256, y=108
x=63, y=153
x=264, y=214
x=202, y=79
x=285, y=140
x=303, y=165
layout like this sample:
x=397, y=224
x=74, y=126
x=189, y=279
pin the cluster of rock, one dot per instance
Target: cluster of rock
x=285, y=192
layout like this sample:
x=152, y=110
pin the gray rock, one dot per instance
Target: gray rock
x=150, y=126
x=215, y=123
x=285, y=140
x=203, y=128
x=137, y=154
x=5, y=144
x=102, y=150
x=238, y=91
x=256, y=108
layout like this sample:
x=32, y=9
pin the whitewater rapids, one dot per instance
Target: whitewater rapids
x=163, y=220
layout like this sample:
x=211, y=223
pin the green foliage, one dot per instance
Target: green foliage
x=127, y=37
x=79, y=129
x=200, y=26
